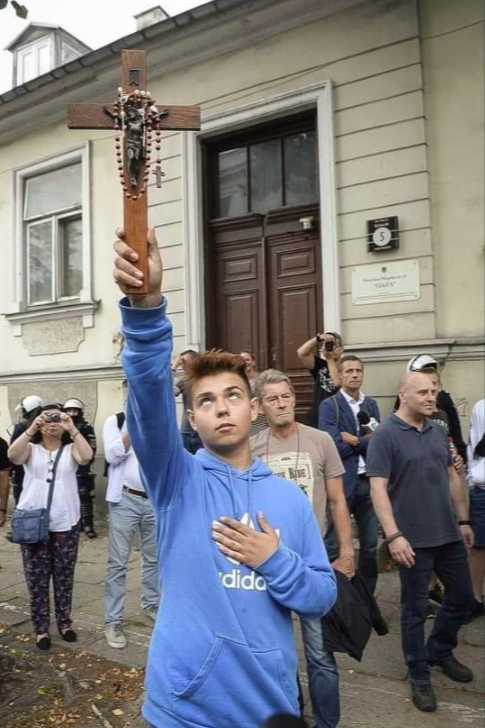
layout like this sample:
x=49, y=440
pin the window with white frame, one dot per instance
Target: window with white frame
x=53, y=234
x=34, y=59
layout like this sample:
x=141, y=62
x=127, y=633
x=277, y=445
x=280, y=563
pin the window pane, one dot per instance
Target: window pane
x=43, y=55
x=40, y=262
x=266, y=185
x=27, y=61
x=300, y=169
x=70, y=242
x=54, y=190
x=233, y=183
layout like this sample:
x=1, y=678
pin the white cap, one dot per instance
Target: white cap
x=418, y=363
x=29, y=403
x=73, y=403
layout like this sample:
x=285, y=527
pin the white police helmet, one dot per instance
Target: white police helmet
x=423, y=361
x=73, y=403
x=29, y=403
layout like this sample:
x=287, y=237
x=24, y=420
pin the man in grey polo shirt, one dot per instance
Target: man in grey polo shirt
x=416, y=494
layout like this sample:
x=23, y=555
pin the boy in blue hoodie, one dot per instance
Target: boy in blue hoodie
x=238, y=547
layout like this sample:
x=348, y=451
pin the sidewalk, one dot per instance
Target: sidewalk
x=375, y=693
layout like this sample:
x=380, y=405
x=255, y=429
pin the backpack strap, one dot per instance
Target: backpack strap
x=120, y=419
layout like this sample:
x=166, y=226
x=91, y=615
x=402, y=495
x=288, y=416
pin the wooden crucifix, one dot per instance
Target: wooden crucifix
x=138, y=123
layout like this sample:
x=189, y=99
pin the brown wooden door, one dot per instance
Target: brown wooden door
x=263, y=269
x=266, y=290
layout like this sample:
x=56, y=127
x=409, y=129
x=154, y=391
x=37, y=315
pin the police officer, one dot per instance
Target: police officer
x=30, y=408
x=85, y=478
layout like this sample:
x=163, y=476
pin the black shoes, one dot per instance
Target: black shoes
x=477, y=609
x=44, y=643
x=90, y=533
x=453, y=669
x=423, y=697
x=68, y=635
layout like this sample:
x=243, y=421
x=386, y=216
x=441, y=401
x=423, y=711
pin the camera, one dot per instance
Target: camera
x=54, y=417
x=329, y=345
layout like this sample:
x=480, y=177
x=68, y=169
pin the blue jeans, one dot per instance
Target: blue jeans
x=323, y=678
x=191, y=441
x=131, y=514
x=450, y=562
x=360, y=505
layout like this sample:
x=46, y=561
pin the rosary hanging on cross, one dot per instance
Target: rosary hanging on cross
x=136, y=116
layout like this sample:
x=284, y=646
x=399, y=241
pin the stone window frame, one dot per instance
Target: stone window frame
x=317, y=96
x=84, y=306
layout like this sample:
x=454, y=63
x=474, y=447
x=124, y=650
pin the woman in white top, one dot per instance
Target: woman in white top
x=36, y=449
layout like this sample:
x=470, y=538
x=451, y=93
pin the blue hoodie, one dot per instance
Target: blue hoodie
x=222, y=653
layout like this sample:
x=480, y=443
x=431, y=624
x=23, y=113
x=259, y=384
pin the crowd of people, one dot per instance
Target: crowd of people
x=246, y=515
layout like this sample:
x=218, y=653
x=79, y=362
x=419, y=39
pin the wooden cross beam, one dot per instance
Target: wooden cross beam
x=134, y=152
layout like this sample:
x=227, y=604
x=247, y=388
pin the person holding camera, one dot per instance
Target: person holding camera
x=323, y=366
x=39, y=449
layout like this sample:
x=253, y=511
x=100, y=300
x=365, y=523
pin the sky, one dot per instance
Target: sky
x=95, y=22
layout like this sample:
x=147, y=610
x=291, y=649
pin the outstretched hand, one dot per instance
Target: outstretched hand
x=245, y=544
x=127, y=276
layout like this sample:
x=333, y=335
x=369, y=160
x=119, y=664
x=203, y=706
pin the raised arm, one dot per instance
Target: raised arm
x=306, y=353
x=151, y=414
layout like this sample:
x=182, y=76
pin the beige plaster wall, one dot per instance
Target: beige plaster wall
x=383, y=144
x=453, y=71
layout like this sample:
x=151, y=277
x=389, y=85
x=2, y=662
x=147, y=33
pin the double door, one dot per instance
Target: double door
x=264, y=289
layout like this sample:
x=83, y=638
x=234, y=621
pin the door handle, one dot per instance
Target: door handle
x=273, y=357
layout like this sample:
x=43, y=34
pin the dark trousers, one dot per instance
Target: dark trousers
x=85, y=484
x=56, y=558
x=450, y=562
x=360, y=506
x=192, y=442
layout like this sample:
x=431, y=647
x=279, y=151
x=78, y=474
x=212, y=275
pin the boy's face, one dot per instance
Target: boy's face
x=222, y=412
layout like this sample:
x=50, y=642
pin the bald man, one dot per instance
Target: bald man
x=421, y=504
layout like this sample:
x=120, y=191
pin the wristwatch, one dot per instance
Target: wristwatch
x=464, y=523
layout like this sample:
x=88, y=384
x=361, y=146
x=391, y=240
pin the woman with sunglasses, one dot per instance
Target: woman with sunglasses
x=37, y=449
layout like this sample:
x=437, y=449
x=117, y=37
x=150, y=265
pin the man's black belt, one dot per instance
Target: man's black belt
x=131, y=491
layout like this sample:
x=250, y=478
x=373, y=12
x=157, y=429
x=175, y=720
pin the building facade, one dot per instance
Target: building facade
x=322, y=120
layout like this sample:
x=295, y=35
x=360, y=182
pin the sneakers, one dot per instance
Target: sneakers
x=432, y=611
x=151, y=613
x=115, y=637
x=477, y=609
x=453, y=669
x=423, y=697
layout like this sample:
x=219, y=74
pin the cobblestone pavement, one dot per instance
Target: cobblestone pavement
x=375, y=693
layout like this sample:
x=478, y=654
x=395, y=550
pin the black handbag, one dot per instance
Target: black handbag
x=31, y=527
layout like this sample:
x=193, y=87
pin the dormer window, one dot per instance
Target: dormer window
x=33, y=60
x=40, y=48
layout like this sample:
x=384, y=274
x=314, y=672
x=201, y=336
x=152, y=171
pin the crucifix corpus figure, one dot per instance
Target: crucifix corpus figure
x=138, y=123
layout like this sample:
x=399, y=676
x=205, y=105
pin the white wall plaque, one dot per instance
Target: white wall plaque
x=386, y=282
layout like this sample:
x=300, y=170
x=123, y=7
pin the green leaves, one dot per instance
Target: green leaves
x=20, y=10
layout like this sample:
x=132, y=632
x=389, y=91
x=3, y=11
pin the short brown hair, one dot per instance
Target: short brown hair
x=348, y=357
x=211, y=363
